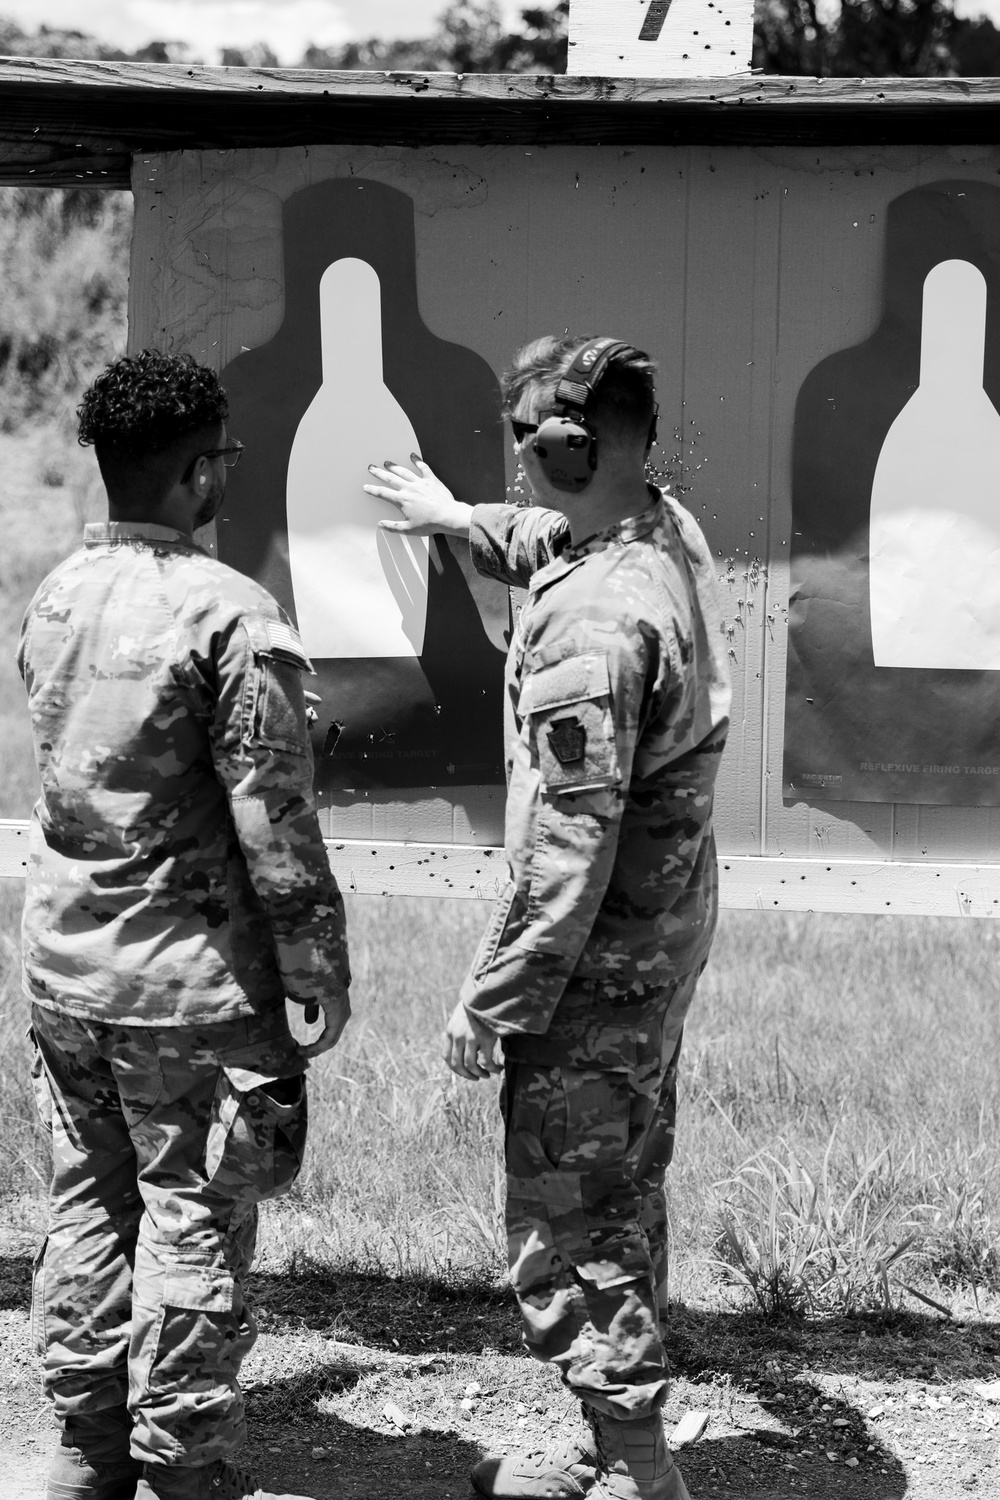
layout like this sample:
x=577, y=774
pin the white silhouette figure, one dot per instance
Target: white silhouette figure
x=358, y=591
x=935, y=512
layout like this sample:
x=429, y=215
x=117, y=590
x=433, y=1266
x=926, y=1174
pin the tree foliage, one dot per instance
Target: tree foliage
x=64, y=264
x=873, y=39
x=852, y=38
x=53, y=41
x=470, y=37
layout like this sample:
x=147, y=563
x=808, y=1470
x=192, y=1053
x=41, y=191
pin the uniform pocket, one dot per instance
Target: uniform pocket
x=566, y=1120
x=274, y=712
x=259, y=1118
x=615, y=1258
x=273, y=700
x=568, y=707
x=189, y=1346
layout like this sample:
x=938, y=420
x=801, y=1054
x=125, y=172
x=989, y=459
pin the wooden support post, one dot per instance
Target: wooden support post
x=660, y=38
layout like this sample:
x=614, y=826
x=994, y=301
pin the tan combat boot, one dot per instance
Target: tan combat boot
x=633, y=1460
x=222, y=1480
x=563, y=1472
x=93, y=1461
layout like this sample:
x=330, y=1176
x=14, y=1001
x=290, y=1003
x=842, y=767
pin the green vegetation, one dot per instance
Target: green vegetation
x=470, y=37
x=835, y=1148
x=874, y=39
x=64, y=269
x=64, y=260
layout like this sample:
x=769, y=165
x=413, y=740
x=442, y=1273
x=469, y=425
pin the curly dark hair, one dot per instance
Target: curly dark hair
x=144, y=403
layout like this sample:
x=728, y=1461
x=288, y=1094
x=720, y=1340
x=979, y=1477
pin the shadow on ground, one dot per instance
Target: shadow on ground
x=777, y=1371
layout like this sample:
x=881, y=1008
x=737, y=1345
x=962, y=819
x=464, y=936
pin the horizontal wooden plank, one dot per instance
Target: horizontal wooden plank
x=63, y=121
x=13, y=848
x=60, y=77
x=887, y=888
x=880, y=888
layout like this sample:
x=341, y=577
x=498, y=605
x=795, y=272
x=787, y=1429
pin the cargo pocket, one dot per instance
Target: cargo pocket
x=273, y=713
x=535, y=1119
x=567, y=1120
x=189, y=1348
x=615, y=1260
x=257, y=1135
x=597, y=1120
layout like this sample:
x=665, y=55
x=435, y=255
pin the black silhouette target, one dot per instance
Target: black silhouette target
x=853, y=730
x=427, y=721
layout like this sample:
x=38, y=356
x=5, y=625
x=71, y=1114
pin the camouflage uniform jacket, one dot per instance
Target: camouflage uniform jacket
x=176, y=870
x=616, y=708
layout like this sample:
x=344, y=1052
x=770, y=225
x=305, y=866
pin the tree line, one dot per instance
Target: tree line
x=863, y=38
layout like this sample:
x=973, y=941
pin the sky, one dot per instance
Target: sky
x=288, y=26
x=206, y=25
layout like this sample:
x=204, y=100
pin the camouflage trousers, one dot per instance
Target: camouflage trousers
x=589, y=1112
x=164, y=1141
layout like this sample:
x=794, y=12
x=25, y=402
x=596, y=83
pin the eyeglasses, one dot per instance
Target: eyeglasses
x=230, y=456
x=521, y=430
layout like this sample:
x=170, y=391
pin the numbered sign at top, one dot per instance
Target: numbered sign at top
x=660, y=38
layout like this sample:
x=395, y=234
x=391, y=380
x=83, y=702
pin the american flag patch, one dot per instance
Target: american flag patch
x=283, y=638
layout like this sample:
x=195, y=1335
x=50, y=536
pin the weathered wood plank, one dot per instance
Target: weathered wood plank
x=58, y=78
x=63, y=121
x=13, y=848
x=658, y=38
x=880, y=887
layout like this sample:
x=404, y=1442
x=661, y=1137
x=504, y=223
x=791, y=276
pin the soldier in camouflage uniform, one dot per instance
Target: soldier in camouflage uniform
x=178, y=891
x=616, y=714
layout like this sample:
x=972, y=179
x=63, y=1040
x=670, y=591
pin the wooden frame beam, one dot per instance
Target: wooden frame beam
x=885, y=888
x=64, y=122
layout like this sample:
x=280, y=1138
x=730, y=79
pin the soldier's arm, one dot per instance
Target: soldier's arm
x=262, y=756
x=511, y=543
x=581, y=717
x=508, y=542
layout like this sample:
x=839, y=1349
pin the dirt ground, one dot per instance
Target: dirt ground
x=370, y=1387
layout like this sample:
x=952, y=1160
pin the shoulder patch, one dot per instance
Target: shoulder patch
x=566, y=706
x=566, y=681
x=278, y=639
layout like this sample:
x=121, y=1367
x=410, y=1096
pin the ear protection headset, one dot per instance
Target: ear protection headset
x=565, y=445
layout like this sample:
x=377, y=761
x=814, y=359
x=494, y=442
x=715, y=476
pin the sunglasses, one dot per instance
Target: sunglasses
x=230, y=456
x=521, y=430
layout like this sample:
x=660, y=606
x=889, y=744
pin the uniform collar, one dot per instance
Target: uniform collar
x=113, y=533
x=623, y=531
x=571, y=555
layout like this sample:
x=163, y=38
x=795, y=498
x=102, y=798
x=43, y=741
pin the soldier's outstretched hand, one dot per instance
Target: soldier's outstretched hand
x=470, y=1047
x=336, y=1014
x=425, y=505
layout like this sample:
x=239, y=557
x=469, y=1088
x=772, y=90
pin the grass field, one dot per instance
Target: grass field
x=868, y=1041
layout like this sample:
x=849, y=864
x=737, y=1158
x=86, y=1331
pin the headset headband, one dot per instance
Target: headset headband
x=584, y=375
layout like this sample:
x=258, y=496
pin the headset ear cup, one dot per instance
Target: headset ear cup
x=567, y=453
